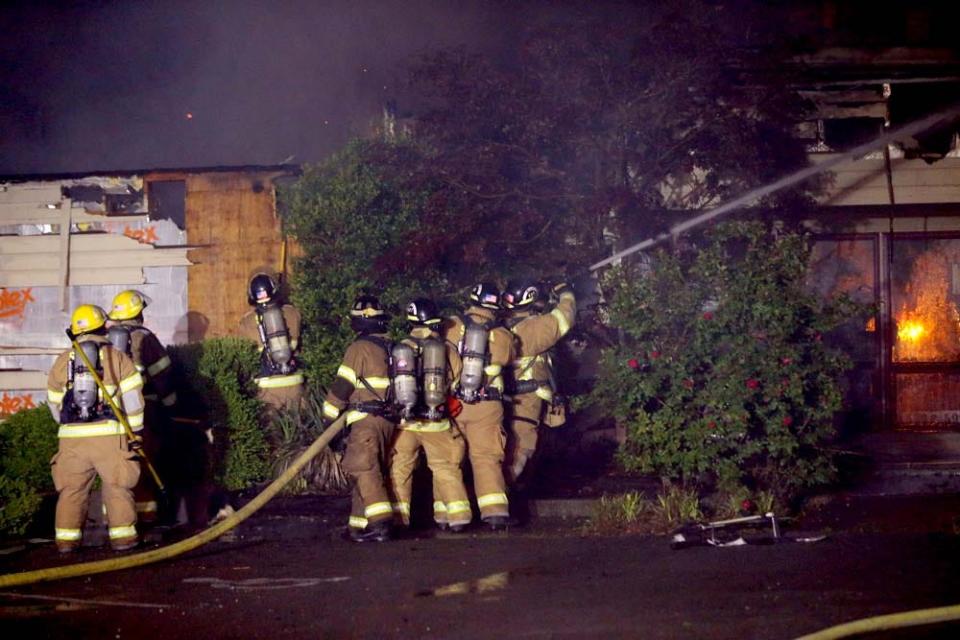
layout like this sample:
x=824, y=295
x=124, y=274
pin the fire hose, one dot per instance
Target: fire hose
x=121, y=418
x=925, y=616
x=188, y=544
x=887, y=622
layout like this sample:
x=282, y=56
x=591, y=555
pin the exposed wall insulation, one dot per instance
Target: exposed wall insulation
x=112, y=245
x=119, y=240
x=94, y=259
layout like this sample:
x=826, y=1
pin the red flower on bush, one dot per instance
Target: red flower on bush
x=711, y=425
x=633, y=363
x=752, y=383
x=747, y=504
x=786, y=361
x=688, y=383
x=654, y=355
x=787, y=421
x=708, y=315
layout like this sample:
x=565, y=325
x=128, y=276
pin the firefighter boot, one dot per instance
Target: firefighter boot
x=375, y=532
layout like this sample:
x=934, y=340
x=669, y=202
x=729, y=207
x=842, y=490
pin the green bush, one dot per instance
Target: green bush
x=292, y=432
x=350, y=215
x=28, y=439
x=217, y=385
x=721, y=377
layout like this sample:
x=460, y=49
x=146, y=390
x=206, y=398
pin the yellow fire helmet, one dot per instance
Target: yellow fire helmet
x=128, y=304
x=87, y=318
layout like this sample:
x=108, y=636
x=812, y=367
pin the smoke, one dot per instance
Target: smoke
x=98, y=85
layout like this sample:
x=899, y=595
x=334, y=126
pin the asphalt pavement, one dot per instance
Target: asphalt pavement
x=286, y=573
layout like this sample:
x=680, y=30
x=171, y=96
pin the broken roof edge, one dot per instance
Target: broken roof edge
x=283, y=169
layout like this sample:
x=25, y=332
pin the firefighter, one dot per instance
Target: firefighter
x=531, y=378
x=424, y=366
x=275, y=327
x=485, y=348
x=92, y=441
x=128, y=334
x=362, y=389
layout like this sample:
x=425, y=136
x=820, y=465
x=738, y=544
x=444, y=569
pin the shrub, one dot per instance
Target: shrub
x=678, y=505
x=349, y=215
x=292, y=433
x=217, y=378
x=619, y=513
x=722, y=378
x=28, y=439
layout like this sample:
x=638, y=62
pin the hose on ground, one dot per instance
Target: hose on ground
x=188, y=544
x=887, y=622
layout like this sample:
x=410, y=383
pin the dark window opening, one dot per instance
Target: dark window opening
x=843, y=133
x=168, y=201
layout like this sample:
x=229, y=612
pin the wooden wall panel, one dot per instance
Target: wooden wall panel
x=864, y=182
x=232, y=220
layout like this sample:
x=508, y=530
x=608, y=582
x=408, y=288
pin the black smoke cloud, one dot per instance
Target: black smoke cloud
x=109, y=85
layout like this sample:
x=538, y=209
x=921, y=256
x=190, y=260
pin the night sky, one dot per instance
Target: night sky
x=130, y=85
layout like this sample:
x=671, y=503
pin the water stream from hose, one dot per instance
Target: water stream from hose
x=914, y=128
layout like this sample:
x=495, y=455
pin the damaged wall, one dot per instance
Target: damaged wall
x=232, y=221
x=73, y=241
x=69, y=241
x=914, y=181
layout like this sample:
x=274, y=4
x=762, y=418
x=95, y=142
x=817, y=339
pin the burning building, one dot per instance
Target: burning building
x=187, y=238
x=889, y=225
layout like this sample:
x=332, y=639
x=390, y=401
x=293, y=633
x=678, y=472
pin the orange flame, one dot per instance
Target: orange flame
x=929, y=329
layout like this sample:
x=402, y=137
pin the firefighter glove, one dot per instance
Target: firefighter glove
x=561, y=288
x=135, y=444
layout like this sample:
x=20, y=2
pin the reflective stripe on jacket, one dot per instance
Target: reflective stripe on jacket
x=536, y=334
x=120, y=378
x=500, y=344
x=363, y=376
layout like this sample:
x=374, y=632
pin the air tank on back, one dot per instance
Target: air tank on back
x=85, y=390
x=434, y=362
x=119, y=337
x=404, y=374
x=276, y=335
x=473, y=351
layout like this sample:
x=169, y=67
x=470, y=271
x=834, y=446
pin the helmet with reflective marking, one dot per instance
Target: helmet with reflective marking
x=128, y=304
x=87, y=318
x=423, y=311
x=367, y=316
x=262, y=289
x=520, y=294
x=486, y=295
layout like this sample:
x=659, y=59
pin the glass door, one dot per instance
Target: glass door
x=924, y=285
x=848, y=264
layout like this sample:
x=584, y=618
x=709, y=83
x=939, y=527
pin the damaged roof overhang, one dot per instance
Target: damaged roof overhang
x=278, y=169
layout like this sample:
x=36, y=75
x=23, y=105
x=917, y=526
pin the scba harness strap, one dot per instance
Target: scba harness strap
x=71, y=411
x=268, y=365
x=382, y=406
x=483, y=393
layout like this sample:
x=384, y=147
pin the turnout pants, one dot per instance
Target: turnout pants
x=74, y=468
x=445, y=451
x=365, y=462
x=280, y=398
x=522, y=437
x=482, y=427
x=145, y=493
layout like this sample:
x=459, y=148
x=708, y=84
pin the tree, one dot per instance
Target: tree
x=350, y=215
x=596, y=127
